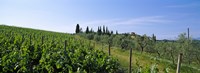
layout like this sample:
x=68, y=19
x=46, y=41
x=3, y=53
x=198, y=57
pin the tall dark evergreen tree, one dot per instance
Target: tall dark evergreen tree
x=116, y=32
x=111, y=32
x=100, y=30
x=77, y=28
x=91, y=30
x=154, y=38
x=104, y=31
x=87, y=30
x=107, y=31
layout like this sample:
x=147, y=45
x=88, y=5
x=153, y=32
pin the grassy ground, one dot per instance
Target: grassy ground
x=137, y=57
x=145, y=60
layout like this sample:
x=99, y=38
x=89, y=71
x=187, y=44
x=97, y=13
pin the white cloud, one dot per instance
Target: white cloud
x=144, y=20
x=133, y=21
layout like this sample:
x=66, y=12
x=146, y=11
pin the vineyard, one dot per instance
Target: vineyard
x=27, y=50
x=30, y=50
x=100, y=36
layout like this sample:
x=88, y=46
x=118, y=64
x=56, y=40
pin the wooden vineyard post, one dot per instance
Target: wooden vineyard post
x=30, y=39
x=109, y=49
x=42, y=40
x=89, y=43
x=53, y=39
x=65, y=46
x=130, y=60
x=94, y=45
x=102, y=45
x=109, y=45
x=188, y=44
x=188, y=33
x=22, y=38
x=179, y=63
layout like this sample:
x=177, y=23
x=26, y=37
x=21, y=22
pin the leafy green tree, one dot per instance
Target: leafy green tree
x=182, y=40
x=124, y=44
x=90, y=36
x=97, y=38
x=185, y=46
x=151, y=43
x=158, y=48
x=117, y=40
x=142, y=42
x=196, y=51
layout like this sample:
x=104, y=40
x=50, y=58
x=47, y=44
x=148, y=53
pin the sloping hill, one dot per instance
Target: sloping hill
x=146, y=62
x=80, y=54
x=29, y=50
x=142, y=62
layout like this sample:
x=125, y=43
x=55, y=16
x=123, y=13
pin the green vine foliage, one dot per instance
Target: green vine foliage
x=24, y=50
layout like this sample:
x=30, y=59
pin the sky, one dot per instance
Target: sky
x=164, y=18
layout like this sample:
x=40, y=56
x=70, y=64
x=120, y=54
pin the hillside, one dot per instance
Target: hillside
x=30, y=50
x=149, y=54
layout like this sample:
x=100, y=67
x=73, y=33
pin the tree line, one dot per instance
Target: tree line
x=100, y=31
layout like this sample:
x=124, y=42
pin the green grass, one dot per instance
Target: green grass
x=144, y=59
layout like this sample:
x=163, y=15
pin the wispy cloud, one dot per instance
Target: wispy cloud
x=132, y=21
x=184, y=5
x=144, y=20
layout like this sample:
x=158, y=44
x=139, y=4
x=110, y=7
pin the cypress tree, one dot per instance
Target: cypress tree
x=116, y=32
x=87, y=30
x=104, y=31
x=100, y=30
x=111, y=32
x=91, y=30
x=77, y=28
x=107, y=31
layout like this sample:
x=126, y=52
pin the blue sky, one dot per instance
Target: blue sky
x=164, y=18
